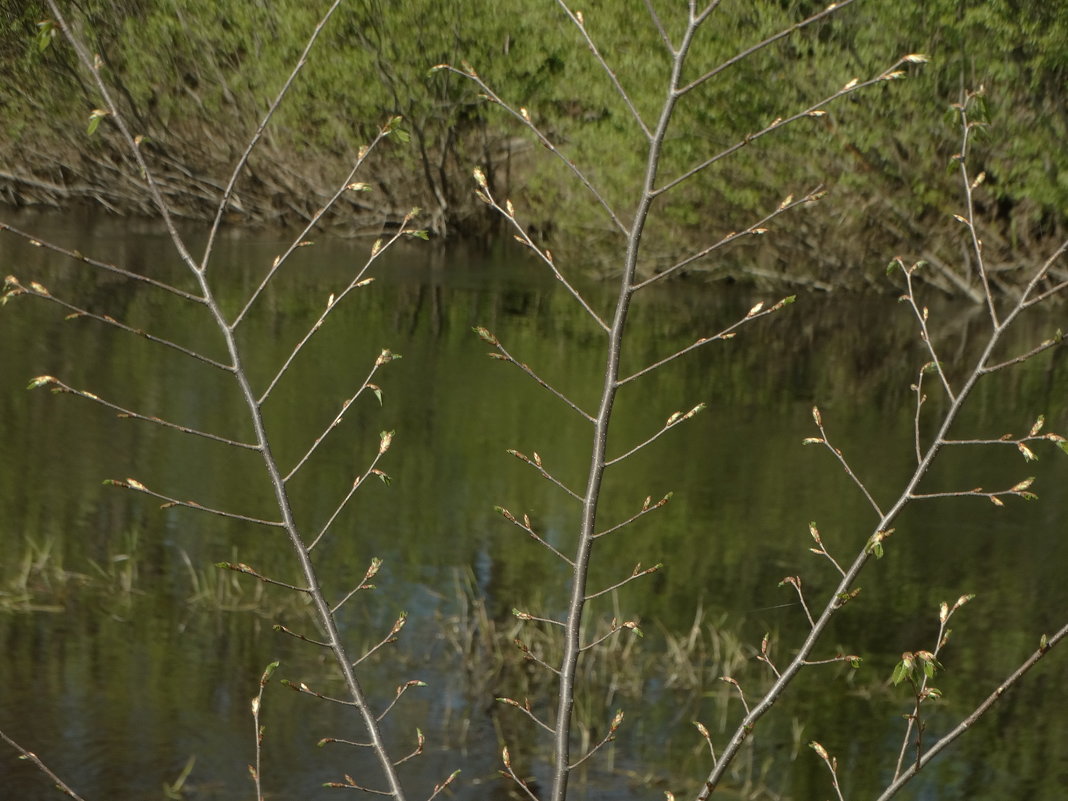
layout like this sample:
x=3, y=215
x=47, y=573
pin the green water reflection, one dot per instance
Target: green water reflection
x=119, y=689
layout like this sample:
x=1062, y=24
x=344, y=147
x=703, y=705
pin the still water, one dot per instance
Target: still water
x=126, y=657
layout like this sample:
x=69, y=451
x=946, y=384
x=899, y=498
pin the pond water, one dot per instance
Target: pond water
x=125, y=656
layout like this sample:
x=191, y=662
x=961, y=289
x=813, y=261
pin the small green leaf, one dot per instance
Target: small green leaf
x=424, y=235
x=1063, y=445
x=901, y=672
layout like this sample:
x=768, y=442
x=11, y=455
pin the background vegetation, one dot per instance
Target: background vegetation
x=194, y=76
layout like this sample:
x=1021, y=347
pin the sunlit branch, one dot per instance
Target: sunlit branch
x=12, y=287
x=1040, y=275
x=920, y=400
x=523, y=116
x=93, y=65
x=925, y=334
x=841, y=459
x=614, y=629
x=1046, y=345
x=527, y=527
x=832, y=766
x=389, y=639
x=674, y=420
x=350, y=784
x=744, y=54
x=647, y=507
x=725, y=334
x=341, y=741
x=580, y=23
x=239, y=567
x=31, y=757
x=504, y=355
x=969, y=201
x=401, y=690
x=636, y=574
x=334, y=301
x=512, y=774
x=299, y=240
x=537, y=465
x=533, y=657
x=243, y=160
x=741, y=695
x=609, y=736
x=372, y=571
x=1020, y=491
x=526, y=710
x=527, y=617
x=1044, y=648
x=508, y=212
x=420, y=741
x=137, y=486
x=304, y=689
x=384, y=357
x=822, y=549
x=660, y=27
x=756, y=229
x=258, y=730
x=58, y=386
x=708, y=739
x=358, y=482
x=795, y=582
x=279, y=627
x=834, y=660
x=815, y=110
x=440, y=788
x=73, y=254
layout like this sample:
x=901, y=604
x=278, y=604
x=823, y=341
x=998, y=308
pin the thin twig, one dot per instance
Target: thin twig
x=243, y=160
x=103, y=265
x=29, y=756
x=58, y=386
x=581, y=25
x=38, y=291
x=137, y=486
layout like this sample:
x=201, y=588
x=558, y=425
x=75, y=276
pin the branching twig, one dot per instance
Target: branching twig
x=137, y=486
x=255, y=771
x=824, y=440
x=672, y=421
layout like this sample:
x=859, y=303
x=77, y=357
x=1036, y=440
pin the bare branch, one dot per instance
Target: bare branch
x=725, y=334
x=814, y=110
x=31, y=757
x=526, y=710
x=372, y=571
x=137, y=486
x=795, y=582
x=1046, y=345
x=576, y=17
x=659, y=27
x=401, y=690
x=357, y=483
x=759, y=228
x=508, y=212
x=504, y=355
x=314, y=221
x=925, y=334
x=243, y=160
x=524, y=117
x=385, y=357
x=527, y=527
x=637, y=573
x=301, y=637
x=609, y=736
x=111, y=268
x=12, y=287
x=58, y=386
x=240, y=567
x=841, y=459
x=744, y=54
x=647, y=507
x=674, y=420
x=537, y=465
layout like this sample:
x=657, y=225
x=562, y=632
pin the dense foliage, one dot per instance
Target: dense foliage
x=196, y=74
